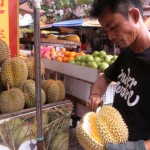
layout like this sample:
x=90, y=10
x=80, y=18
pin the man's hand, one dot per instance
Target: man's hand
x=136, y=145
x=94, y=101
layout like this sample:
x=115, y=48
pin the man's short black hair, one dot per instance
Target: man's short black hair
x=120, y=6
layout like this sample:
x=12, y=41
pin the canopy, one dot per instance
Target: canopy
x=87, y=22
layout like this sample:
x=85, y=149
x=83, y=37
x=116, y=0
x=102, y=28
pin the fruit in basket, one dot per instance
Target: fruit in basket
x=96, y=129
x=111, y=126
x=4, y=51
x=30, y=95
x=14, y=72
x=12, y=100
x=24, y=132
x=31, y=68
x=87, y=133
x=59, y=141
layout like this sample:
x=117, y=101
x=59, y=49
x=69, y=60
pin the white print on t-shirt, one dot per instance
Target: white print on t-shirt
x=124, y=87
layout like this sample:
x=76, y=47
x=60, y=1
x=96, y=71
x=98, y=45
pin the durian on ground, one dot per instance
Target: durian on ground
x=96, y=129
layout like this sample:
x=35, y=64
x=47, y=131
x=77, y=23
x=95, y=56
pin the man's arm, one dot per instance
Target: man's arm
x=98, y=90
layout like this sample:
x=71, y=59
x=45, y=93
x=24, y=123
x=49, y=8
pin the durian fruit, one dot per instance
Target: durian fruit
x=46, y=84
x=14, y=72
x=62, y=89
x=72, y=37
x=30, y=95
x=4, y=51
x=25, y=130
x=12, y=100
x=87, y=133
x=55, y=90
x=31, y=68
x=59, y=141
x=111, y=125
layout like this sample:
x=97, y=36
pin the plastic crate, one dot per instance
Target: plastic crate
x=82, y=89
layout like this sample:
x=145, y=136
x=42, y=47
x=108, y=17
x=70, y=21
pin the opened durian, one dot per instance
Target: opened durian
x=95, y=130
x=111, y=125
x=87, y=133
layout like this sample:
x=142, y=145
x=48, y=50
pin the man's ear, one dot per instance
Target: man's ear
x=134, y=14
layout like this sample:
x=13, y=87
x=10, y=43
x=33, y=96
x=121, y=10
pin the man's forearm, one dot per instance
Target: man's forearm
x=147, y=144
x=100, y=85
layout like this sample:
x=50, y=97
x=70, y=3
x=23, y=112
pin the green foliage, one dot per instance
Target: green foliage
x=69, y=8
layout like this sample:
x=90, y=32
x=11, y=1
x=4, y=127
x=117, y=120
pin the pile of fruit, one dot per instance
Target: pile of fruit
x=98, y=60
x=17, y=83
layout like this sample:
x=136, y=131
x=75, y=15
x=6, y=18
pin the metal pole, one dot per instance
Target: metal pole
x=36, y=5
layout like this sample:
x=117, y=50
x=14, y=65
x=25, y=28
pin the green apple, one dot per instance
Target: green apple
x=83, y=58
x=95, y=53
x=89, y=58
x=83, y=63
x=97, y=59
x=102, y=53
x=78, y=57
x=78, y=62
x=93, y=64
x=98, y=63
x=103, y=66
x=114, y=57
x=107, y=58
x=72, y=61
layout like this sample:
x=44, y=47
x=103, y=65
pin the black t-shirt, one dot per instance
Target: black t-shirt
x=131, y=71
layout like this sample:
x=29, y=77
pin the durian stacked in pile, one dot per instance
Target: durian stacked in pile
x=17, y=83
x=96, y=129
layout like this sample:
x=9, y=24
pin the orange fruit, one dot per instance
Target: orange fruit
x=66, y=53
x=70, y=58
x=65, y=59
x=72, y=54
x=59, y=58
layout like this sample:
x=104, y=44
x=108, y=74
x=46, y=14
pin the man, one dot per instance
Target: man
x=125, y=27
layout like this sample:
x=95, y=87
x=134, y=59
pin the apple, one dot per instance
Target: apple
x=97, y=59
x=95, y=53
x=107, y=58
x=78, y=62
x=89, y=58
x=83, y=63
x=103, y=66
x=102, y=53
x=72, y=61
x=78, y=57
x=83, y=58
x=98, y=63
x=114, y=57
x=93, y=64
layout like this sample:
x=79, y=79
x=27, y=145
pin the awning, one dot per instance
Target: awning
x=87, y=22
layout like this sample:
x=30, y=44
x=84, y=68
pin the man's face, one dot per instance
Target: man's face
x=120, y=30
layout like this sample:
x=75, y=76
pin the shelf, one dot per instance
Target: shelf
x=7, y=116
x=79, y=72
x=51, y=42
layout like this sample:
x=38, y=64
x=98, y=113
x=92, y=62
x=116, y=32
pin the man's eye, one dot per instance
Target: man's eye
x=112, y=27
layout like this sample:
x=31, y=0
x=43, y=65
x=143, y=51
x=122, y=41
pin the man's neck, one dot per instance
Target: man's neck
x=142, y=41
